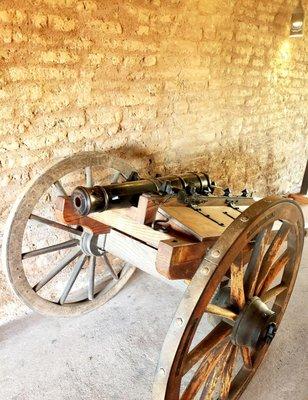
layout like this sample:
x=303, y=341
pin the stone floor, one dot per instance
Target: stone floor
x=111, y=354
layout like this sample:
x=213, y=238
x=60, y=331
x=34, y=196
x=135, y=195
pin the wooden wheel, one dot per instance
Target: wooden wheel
x=46, y=259
x=242, y=287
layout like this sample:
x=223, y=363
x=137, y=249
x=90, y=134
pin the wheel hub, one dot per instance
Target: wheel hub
x=89, y=244
x=255, y=323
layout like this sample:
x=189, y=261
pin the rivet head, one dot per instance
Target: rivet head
x=179, y=321
x=244, y=219
x=205, y=270
x=215, y=253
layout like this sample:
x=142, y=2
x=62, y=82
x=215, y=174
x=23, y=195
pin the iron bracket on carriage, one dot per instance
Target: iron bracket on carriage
x=235, y=258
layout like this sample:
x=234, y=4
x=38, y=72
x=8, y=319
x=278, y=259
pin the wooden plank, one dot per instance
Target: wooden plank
x=127, y=225
x=191, y=222
x=223, y=214
x=194, y=223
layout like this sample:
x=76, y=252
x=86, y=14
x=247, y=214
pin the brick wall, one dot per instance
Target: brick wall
x=197, y=84
x=213, y=85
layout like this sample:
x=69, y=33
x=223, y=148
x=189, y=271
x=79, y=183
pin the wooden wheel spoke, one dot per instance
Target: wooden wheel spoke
x=278, y=265
x=215, y=338
x=270, y=256
x=244, y=375
x=55, y=224
x=88, y=176
x=227, y=374
x=246, y=356
x=203, y=372
x=110, y=267
x=91, y=278
x=220, y=311
x=117, y=176
x=253, y=268
x=61, y=191
x=50, y=249
x=237, y=295
x=272, y=293
x=211, y=384
x=55, y=271
x=246, y=253
x=72, y=279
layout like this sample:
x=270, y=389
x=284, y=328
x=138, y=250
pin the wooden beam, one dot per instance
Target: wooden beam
x=137, y=254
x=132, y=251
x=180, y=259
x=130, y=227
x=172, y=261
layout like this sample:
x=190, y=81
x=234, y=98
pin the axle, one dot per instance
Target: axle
x=116, y=195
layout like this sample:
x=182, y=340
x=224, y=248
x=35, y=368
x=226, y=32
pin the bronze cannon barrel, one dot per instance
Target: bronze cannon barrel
x=116, y=195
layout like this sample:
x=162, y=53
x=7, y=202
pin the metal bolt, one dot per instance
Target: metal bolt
x=205, y=270
x=215, y=253
x=244, y=219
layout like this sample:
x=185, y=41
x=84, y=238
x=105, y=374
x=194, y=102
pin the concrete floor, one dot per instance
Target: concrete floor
x=111, y=354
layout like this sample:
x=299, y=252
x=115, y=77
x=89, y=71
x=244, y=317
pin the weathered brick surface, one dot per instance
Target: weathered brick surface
x=209, y=85
x=188, y=84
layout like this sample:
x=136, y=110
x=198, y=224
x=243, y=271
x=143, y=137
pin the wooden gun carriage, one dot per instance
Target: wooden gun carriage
x=235, y=259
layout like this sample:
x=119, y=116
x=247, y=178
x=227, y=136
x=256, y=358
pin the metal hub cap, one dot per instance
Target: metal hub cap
x=256, y=322
x=89, y=244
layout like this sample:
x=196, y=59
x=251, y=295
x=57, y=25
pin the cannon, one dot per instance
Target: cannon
x=78, y=231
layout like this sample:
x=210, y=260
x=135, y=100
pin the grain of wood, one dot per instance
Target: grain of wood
x=237, y=294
